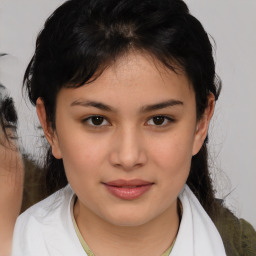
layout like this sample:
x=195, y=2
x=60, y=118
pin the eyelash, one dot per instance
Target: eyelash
x=167, y=120
x=88, y=121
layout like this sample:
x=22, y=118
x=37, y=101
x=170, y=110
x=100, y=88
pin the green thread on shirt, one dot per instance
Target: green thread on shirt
x=90, y=253
x=168, y=251
x=87, y=248
x=81, y=239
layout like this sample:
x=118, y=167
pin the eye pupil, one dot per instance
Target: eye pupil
x=158, y=120
x=97, y=120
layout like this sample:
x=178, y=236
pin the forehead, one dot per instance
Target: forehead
x=135, y=76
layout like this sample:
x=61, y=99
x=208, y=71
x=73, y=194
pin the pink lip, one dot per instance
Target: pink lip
x=128, y=189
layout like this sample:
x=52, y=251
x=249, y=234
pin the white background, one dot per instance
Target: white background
x=232, y=23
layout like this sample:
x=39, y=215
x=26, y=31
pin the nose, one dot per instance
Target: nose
x=128, y=152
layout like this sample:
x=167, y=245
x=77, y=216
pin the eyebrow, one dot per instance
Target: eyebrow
x=87, y=103
x=146, y=108
x=161, y=105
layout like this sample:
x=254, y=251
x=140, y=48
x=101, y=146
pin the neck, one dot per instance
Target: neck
x=104, y=238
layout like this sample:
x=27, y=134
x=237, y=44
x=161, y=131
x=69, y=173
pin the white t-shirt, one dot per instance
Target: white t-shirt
x=46, y=229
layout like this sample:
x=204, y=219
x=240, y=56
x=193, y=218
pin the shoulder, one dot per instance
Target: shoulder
x=44, y=226
x=239, y=237
x=49, y=207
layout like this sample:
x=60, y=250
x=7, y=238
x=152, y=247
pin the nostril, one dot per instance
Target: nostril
x=128, y=163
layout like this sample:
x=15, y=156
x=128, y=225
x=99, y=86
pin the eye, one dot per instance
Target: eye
x=96, y=121
x=159, y=120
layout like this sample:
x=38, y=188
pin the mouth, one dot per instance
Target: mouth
x=128, y=189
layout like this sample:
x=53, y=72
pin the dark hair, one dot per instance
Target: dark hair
x=82, y=37
x=8, y=115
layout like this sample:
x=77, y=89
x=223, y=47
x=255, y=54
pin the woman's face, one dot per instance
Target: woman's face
x=127, y=140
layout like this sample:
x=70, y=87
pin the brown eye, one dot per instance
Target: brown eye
x=159, y=121
x=96, y=121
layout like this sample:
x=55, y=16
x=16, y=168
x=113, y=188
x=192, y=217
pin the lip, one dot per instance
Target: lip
x=128, y=189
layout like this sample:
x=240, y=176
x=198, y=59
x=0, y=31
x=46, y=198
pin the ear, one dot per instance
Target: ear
x=49, y=132
x=203, y=125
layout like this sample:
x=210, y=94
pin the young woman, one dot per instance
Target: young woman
x=11, y=172
x=125, y=91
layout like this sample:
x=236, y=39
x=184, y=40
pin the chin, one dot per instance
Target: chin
x=127, y=218
x=128, y=222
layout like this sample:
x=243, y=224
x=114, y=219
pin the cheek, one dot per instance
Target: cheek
x=173, y=155
x=81, y=154
x=175, y=149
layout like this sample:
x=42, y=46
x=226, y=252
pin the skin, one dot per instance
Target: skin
x=128, y=144
x=11, y=186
